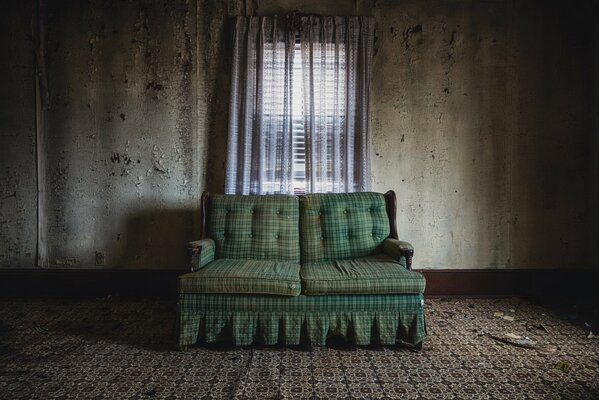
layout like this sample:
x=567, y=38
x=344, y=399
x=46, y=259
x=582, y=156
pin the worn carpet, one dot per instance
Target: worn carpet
x=111, y=348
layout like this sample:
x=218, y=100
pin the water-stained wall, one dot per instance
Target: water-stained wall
x=482, y=121
x=123, y=148
x=130, y=104
x=18, y=200
x=483, y=117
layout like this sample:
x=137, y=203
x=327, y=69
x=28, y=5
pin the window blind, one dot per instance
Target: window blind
x=331, y=106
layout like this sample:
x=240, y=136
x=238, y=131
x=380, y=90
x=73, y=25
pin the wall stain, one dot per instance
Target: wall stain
x=66, y=261
x=412, y=33
x=165, y=64
x=118, y=157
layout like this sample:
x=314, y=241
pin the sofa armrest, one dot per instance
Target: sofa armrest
x=200, y=253
x=396, y=248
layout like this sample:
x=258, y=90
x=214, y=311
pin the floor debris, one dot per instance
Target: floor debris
x=539, y=327
x=499, y=314
x=524, y=343
x=563, y=366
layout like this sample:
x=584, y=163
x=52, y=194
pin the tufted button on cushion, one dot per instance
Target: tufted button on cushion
x=250, y=227
x=359, y=233
x=276, y=236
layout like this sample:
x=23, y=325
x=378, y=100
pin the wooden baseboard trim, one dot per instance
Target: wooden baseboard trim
x=63, y=283
x=87, y=283
x=536, y=283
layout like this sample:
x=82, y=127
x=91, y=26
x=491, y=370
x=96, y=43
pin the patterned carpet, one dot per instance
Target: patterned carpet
x=111, y=348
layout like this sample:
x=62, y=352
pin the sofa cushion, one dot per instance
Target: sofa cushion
x=378, y=274
x=342, y=225
x=244, y=276
x=255, y=227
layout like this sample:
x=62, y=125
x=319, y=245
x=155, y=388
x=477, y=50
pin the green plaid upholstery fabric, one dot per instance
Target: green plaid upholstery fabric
x=342, y=225
x=200, y=252
x=395, y=248
x=271, y=320
x=244, y=276
x=378, y=274
x=250, y=291
x=255, y=227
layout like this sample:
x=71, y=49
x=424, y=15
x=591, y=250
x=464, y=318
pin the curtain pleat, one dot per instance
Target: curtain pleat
x=259, y=154
x=335, y=62
x=336, y=58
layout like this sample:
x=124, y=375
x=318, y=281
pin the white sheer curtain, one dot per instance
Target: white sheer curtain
x=259, y=156
x=306, y=77
x=336, y=57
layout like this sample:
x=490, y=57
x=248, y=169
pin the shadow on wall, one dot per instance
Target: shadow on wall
x=218, y=109
x=156, y=239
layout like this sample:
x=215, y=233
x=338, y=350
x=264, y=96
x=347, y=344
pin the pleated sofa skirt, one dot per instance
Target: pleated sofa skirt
x=271, y=320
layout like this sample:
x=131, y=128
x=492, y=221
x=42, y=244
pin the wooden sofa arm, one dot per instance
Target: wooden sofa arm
x=396, y=248
x=200, y=252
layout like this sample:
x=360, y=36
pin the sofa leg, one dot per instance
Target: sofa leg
x=417, y=347
x=307, y=347
x=412, y=347
x=183, y=348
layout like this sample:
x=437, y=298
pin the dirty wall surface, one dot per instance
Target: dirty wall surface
x=18, y=187
x=481, y=120
x=122, y=152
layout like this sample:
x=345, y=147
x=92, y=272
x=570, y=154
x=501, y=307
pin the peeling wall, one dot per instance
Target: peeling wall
x=126, y=144
x=17, y=139
x=483, y=120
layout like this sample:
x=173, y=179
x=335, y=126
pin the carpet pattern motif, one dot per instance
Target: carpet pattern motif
x=124, y=349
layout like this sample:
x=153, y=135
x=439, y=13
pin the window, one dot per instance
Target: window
x=329, y=107
x=299, y=105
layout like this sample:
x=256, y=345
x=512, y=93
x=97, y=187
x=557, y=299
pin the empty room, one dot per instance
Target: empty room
x=299, y=199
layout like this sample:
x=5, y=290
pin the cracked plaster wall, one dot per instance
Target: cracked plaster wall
x=483, y=120
x=17, y=140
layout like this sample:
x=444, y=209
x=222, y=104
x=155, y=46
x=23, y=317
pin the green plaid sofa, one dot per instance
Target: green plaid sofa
x=281, y=269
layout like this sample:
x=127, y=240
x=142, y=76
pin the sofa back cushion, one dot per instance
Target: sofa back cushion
x=254, y=227
x=342, y=225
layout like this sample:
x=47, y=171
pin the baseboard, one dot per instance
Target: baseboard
x=62, y=283
x=535, y=283
x=88, y=283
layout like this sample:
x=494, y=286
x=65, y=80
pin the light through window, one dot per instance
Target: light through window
x=328, y=108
